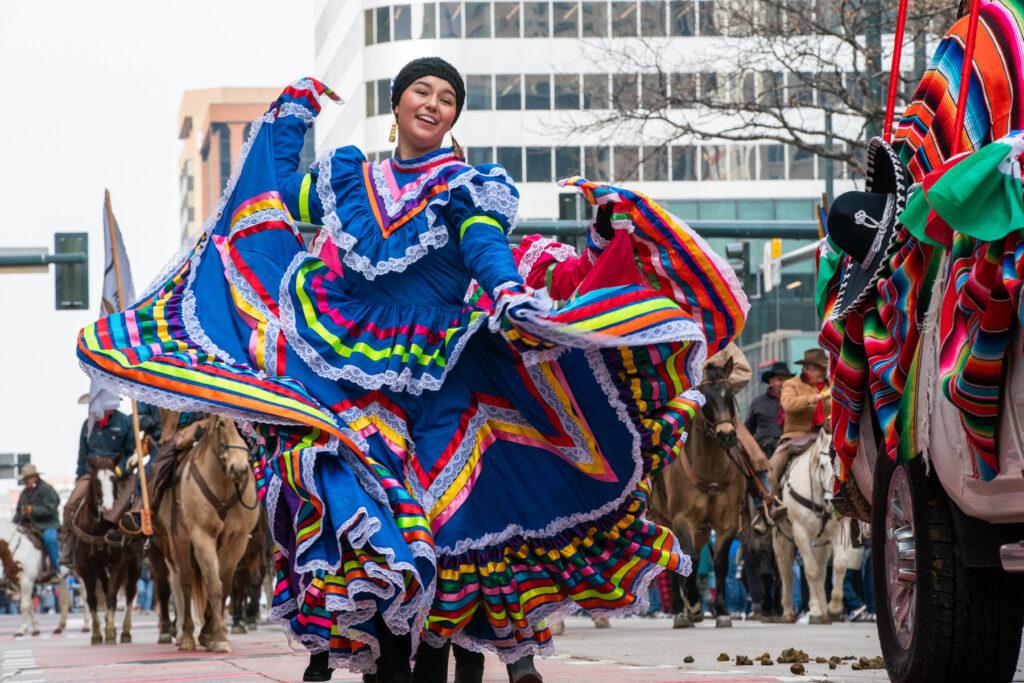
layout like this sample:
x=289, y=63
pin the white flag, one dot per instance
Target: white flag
x=114, y=299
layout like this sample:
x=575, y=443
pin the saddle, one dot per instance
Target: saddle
x=47, y=572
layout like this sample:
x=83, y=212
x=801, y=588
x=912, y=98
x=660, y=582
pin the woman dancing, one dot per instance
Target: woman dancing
x=445, y=454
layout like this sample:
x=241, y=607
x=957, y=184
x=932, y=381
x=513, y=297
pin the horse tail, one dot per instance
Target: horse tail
x=198, y=588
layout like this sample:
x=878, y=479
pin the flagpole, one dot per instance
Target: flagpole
x=147, y=519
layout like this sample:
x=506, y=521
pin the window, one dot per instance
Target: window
x=536, y=20
x=684, y=90
x=538, y=164
x=743, y=162
x=479, y=155
x=383, y=97
x=478, y=92
x=707, y=17
x=371, y=99
x=567, y=19
x=627, y=163
x=713, y=160
x=655, y=163
x=595, y=91
x=652, y=18
x=595, y=19
x=801, y=164
x=770, y=92
x=508, y=92
x=478, y=20
x=401, y=22
x=567, y=162
x=800, y=89
x=684, y=163
x=709, y=87
x=224, y=152
x=507, y=17
x=538, y=91
x=429, y=20
x=383, y=24
x=773, y=162
x=511, y=158
x=624, y=19
x=368, y=27
x=625, y=91
x=654, y=91
x=681, y=17
x=451, y=20
x=597, y=161
x=567, y=91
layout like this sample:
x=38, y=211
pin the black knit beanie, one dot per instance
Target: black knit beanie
x=429, y=66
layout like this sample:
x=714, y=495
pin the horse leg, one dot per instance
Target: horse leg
x=131, y=586
x=724, y=544
x=204, y=549
x=815, y=560
x=25, y=605
x=64, y=603
x=91, y=583
x=162, y=586
x=110, y=590
x=251, y=615
x=784, y=555
x=681, y=584
x=237, y=600
x=183, y=609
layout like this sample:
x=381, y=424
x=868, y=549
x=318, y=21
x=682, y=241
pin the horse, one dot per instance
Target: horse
x=200, y=541
x=811, y=527
x=100, y=564
x=22, y=564
x=248, y=581
x=162, y=592
x=701, y=490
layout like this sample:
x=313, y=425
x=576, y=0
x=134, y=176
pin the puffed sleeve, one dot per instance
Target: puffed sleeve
x=293, y=113
x=481, y=213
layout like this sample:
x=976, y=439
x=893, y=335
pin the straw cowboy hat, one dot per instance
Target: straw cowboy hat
x=863, y=225
x=28, y=470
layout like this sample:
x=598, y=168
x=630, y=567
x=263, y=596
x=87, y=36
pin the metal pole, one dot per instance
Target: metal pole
x=830, y=184
x=140, y=446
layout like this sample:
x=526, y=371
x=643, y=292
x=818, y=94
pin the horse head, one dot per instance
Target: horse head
x=822, y=470
x=103, y=488
x=720, y=405
x=229, y=447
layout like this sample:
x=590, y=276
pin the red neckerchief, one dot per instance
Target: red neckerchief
x=104, y=421
x=819, y=409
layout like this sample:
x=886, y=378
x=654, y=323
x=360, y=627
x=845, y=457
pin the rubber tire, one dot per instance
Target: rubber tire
x=967, y=621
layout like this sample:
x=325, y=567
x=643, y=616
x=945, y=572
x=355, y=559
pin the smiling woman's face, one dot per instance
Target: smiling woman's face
x=425, y=113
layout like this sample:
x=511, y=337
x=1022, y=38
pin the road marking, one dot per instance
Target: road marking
x=18, y=663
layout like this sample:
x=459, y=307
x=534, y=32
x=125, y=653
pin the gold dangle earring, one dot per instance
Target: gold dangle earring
x=394, y=131
x=457, y=148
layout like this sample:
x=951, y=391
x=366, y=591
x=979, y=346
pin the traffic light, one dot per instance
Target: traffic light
x=71, y=277
x=739, y=256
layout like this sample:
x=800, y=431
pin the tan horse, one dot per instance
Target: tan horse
x=203, y=530
x=703, y=490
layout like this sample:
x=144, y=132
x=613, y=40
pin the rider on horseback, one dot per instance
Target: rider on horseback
x=806, y=403
x=756, y=460
x=37, y=510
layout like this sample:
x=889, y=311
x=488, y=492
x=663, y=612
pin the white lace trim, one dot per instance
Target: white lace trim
x=436, y=234
x=560, y=252
x=297, y=110
x=396, y=380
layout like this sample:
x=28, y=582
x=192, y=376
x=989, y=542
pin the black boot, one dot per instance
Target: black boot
x=469, y=665
x=393, y=663
x=319, y=667
x=431, y=664
x=523, y=671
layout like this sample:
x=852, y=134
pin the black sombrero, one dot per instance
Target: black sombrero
x=863, y=225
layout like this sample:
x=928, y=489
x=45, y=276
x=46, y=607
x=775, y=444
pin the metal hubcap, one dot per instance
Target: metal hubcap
x=901, y=556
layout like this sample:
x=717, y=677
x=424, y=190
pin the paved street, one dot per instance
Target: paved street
x=632, y=650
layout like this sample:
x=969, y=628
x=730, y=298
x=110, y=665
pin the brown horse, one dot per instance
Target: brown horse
x=203, y=529
x=703, y=490
x=248, y=581
x=101, y=565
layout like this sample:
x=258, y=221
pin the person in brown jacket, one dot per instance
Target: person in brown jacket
x=740, y=377
x=806, y=403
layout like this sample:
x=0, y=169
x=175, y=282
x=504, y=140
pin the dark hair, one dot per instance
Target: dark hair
x=429, y=66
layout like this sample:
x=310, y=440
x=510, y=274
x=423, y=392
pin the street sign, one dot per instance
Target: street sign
x=71, y=280
x=771, y=265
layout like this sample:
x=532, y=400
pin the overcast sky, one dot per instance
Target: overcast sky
x=91, y=93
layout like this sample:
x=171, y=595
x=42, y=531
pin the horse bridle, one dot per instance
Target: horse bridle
x=710, y=428
x=226, y=505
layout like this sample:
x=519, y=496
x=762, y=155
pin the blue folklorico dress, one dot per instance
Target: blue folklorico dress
x=464, y=466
